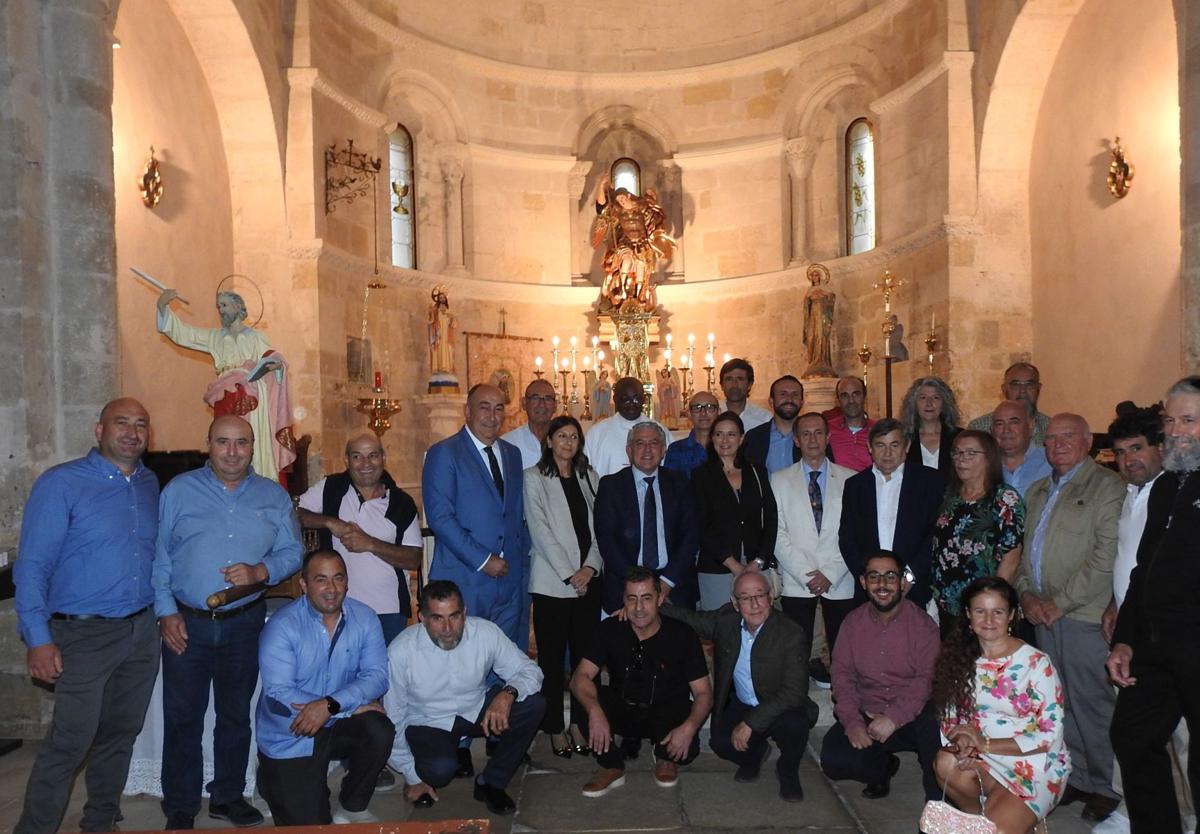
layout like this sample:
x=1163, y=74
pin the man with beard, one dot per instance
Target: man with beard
x=607, y=439
x=439, y=695
x=882, y=675
x=539, y=403
x=772, y=445
x=849, y=425
x=736, y=378
x=317, y=704
x=1154, y=658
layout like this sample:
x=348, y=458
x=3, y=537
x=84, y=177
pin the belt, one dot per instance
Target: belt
x=101, y=617
x=217, y=613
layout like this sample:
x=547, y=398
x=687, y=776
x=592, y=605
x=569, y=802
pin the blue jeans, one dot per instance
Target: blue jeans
x=223, y=653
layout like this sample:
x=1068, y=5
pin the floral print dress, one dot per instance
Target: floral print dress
x=969, y=539
x=1021, y=697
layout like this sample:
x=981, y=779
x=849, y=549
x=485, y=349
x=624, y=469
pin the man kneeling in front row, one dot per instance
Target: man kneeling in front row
x=760, y=667
x=324, y=668
x=439, y=695
x=653, y=666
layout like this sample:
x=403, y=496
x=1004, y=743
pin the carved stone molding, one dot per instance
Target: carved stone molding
x=800, y=153
x=310, y=78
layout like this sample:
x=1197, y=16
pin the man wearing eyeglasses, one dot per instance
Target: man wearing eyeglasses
x=607, y=439
x=540, y=403
x=1022, y=382
x=760, y=669
x=882, y=675
x=687, y=453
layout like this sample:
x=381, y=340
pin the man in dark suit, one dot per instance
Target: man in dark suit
x=892, y=507
x=770, y=445
x=760, y=673
x=472, y=488
x=646, y=515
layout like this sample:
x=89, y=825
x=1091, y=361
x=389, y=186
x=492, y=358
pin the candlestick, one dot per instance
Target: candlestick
x=864, y=356
x=931, y=343
x=667, y=357
x=563, y=374
x=378, y=381
x=537, y=367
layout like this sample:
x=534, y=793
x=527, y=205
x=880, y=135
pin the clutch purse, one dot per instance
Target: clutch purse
x=941, y=817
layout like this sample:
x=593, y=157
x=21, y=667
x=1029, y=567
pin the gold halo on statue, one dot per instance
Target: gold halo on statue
x=818, y=274
x=239, y=284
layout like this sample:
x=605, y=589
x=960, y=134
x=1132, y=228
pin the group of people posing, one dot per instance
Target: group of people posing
x=980, y=591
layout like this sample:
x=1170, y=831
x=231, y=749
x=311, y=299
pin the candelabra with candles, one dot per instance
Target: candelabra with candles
x=931, y=340
x=379, y=408
x=566, y=366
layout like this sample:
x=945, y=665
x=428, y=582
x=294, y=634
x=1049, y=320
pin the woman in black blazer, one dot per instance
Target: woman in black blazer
x=930, y=413
x=737, y=511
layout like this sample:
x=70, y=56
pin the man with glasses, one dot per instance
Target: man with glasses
x=607, y=439
x=1022, y=382
x=882, y=676
x=760, y=672
x=540, y=403
x=686, y=454
x=657, y=687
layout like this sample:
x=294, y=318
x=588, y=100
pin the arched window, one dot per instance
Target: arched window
x=626, y=174
x=860, y=187
x=403, y=198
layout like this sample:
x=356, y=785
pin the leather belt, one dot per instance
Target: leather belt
x=101, y=617
x=218, y=613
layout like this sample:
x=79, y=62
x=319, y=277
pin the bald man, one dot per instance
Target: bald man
x=83, y=609
x=472, y=488
x=1065, y=582
x=219, y=526
x=540, y=403
x=373, y=525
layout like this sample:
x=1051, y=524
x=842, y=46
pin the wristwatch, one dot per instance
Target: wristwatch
x=334, y=706
x=510, y=689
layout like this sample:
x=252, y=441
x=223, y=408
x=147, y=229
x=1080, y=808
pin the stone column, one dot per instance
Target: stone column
x=1189, y=98
x=800, y=152
x=581, y=214
x=670, y=178
x=445, y=412
x=452, y=176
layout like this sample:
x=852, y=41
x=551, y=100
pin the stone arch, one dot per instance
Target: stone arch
x=624, y=116
x=424, y=106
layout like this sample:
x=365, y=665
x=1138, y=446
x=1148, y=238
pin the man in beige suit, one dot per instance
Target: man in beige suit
x=809, y=495
x=1065, y=582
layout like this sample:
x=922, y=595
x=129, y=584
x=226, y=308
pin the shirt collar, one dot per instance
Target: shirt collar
x=823, y=468
x=212, y=476
x=639, y=475
x=898, y=472
x=1063, y=480
x=479, y=444
x=103, y=464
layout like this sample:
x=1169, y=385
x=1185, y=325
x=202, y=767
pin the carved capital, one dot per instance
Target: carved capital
x=452, y=170
x=578, y=175
x=800, y=153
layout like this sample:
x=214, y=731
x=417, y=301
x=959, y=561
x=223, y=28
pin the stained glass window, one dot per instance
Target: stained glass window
x=860, y=187
x=626, y=174
x=403, y=199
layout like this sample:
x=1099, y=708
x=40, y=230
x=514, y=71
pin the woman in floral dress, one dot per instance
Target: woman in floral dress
x=980, y=528
x=1001, y=706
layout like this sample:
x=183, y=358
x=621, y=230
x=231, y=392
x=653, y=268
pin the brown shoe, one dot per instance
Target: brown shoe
x=666, y=773
x=603, y=781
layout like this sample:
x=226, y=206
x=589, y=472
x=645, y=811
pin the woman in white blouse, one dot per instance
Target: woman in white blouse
x=930, y=413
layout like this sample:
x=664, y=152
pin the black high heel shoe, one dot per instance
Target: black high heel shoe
x=563, y=752
x=578, y=746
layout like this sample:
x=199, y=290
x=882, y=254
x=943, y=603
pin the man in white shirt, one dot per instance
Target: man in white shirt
x=606, y=441
x=736, y=379
x=438, y=694
x=539, y=403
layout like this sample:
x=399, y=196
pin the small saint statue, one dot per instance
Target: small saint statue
x=602, y=396
x=818, y=324
x=441, y=326
x=668, y=398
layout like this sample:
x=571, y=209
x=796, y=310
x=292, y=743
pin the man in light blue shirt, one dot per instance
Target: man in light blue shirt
x=324, y=669
x=1022, y=462
x=219, y=526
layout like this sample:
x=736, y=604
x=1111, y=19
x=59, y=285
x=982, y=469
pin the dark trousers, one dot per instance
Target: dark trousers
x=557, y=625
x=840, y=760
x=790, y=731
x=223, y=654
x=435, y=751
x=631, y=722
x=1167, y=689
x=298, y=789
x=100, y=703
x=803, y=611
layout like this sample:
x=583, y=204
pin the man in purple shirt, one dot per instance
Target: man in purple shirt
x=882, y=674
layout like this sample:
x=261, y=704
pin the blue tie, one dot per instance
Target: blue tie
x=650, y=528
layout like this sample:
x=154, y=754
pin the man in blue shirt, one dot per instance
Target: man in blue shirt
x=771, y=445
x=1022, y=462
x=219, y=525
x=689, y=452
x=324, y=669
x=83, y=609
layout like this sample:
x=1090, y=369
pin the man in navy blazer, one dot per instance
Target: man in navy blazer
x=672, y=530
x=472, y=489
x=892, y=501
x=771, y=445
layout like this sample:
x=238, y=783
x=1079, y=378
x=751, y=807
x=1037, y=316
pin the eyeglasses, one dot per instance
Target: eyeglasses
x=1023, y=383
x=752, y=599
x=546, y=399
x=702, y=407
x=891, y=577
x=966, y=454
x=632, y=398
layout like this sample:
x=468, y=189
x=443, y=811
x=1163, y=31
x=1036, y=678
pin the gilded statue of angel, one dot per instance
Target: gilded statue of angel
x=631, y=228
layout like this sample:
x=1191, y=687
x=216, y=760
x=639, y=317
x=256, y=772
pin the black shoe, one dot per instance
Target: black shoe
x=466, y=768
x=749, y=772
x=1074, y=794
x=180, y=822
x=1099, y=808
x=497, y=801
x=239, y=812
x=879, y=790
x=385, y=781
x=789, y=785
x=818, y=674
x=423, y=801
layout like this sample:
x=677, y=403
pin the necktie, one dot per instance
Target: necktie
x=650, y=528
x=495, y=466
x=814, y=497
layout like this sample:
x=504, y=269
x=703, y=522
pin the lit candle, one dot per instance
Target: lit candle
x=691, y=338
x=587, y=364
x=566, y=363
x=599, y=357
x=667, y=356
x=708, y=359
x=668, y=340
x=554, y=341
x=537, y=361
x=378, y=379
x=932, y=320
x=726, y=358
x=595, y=341
x=573, y=341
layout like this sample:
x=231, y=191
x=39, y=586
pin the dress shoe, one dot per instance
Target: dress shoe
x=343, y=817
x=425, y=800
x=666, y=773
x=580, y=747
x=878, y=790
x=1073, y=794
x=789, y=785
x=603, y=781
x=564, y=750
x=749, y=772
x=180, y=822
x=385, y=781
x=1099, y=808
x=239, y=812
x=497, y=801
x=466, y=768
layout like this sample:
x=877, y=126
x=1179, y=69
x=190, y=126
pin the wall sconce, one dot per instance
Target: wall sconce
x=1120, y=172
x=150, y=184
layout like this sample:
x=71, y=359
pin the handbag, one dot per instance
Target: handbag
x=940, y=817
